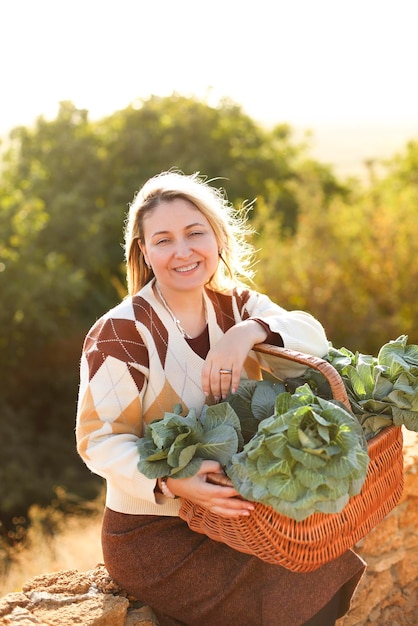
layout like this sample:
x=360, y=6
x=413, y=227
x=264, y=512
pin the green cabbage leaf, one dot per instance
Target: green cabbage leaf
x=310, y=456
x=254, y=401
x=176, y=445
x=382, y=390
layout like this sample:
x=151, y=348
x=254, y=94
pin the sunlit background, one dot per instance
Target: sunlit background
x=345, y=70
x=337, y=241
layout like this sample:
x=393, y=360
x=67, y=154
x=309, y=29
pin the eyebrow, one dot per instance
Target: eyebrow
x=165, y=232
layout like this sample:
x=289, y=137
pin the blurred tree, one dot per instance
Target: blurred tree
x=222, y=143
x=49, y=258
x=351, y=262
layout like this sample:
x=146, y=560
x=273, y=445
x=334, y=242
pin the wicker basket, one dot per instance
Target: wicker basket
x=304, y=546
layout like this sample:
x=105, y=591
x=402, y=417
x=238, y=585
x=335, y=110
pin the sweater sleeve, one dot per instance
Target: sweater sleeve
x=113, y=376
x=272, y=338
x=298, y=330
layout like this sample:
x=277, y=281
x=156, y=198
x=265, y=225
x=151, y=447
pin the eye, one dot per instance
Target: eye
x=195, y=233
x=162, y=241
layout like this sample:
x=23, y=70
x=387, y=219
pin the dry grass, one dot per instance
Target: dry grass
x=73, y=542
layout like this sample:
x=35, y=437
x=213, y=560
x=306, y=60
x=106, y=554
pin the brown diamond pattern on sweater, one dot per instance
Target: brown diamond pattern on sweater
x=137, y=376
x=223, y=309
x=222, y=304
x=242, y=299
x=118, y=338
x=91, y=338
x=146, y=315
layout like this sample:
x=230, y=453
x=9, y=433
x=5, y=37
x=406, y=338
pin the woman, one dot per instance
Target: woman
x=185, y=335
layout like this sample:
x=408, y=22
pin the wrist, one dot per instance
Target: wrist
x=259, y=329
x=271, y=336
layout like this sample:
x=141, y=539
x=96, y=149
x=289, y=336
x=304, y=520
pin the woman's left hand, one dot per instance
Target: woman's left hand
x=224, y=362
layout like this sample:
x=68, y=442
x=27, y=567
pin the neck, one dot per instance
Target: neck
x=181, y=301
x=188, y=313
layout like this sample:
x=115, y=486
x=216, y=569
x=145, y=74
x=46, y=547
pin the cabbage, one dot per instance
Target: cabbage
x=382, y=390
x=254, y=401
x=310, y=456
x=176, y=446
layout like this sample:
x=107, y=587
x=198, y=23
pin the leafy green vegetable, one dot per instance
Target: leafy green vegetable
x=291, y=445
x=176, y=445
x=310, y=456
x=253, y=402
x=382, y=390
x=316, y=381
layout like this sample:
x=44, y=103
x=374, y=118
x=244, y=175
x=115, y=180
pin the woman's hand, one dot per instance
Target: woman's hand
x=224, y=362
x=221, y=500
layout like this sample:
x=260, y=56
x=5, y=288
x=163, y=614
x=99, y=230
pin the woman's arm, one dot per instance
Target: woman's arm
x=257, y=317
x=109, y=409
x=299, y=330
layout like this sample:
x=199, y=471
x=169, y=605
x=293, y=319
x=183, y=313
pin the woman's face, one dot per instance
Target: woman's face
x=180, y=245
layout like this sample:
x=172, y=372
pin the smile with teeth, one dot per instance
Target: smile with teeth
x=186, y=268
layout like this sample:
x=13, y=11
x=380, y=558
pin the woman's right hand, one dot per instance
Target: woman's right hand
x=224, y=501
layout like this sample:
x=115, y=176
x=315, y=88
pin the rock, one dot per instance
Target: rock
x=99, y=610
x=141, y=617
x=388, y=592
x=72, y=597
x=70, y=582
x=12, y=600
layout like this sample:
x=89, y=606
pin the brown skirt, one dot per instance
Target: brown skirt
x=191, y=580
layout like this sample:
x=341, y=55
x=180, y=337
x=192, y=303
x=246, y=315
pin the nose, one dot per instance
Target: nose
x=183, y=250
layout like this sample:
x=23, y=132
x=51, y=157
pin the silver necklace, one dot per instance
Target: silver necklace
x=175, y=320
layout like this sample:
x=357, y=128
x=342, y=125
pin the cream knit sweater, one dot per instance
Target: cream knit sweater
x=136, y=365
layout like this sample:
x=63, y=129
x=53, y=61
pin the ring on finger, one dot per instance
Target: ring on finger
x=225, y=371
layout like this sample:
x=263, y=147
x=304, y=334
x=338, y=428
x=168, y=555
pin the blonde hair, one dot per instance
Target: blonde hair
x=229, y=225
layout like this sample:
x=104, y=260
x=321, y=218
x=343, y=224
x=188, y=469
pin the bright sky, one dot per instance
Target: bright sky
x=304, y=62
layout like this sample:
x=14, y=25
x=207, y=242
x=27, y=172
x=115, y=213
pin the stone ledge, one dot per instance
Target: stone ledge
x=388, y=592
x=72, y=597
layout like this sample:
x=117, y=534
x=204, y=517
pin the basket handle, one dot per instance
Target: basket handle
x=327, y=370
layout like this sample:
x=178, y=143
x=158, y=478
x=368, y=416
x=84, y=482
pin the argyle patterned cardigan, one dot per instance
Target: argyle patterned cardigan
x=136, y=365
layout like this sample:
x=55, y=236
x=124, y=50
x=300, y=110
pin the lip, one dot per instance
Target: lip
x=187, y=268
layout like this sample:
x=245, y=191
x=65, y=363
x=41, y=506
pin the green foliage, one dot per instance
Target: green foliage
x=382, y=390
x=310, y=456
x=224, y=144
x=176, y=446
x=254, y=401
x=304, y=453
x=352, y=261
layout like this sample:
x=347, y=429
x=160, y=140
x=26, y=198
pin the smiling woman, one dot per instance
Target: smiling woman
x=182, y=256
x=184, y=339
